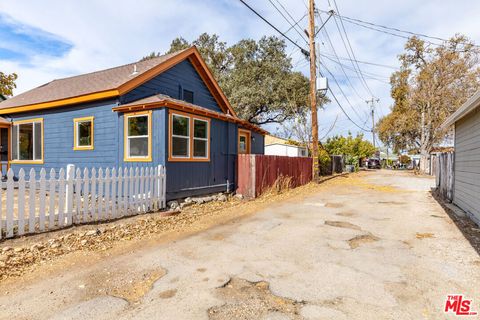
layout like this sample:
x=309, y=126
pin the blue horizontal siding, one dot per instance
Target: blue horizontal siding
x=58, y=137
x=194, y=178
x=170, y=82
x=158, y=141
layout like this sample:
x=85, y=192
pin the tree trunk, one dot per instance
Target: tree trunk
x=424, y=147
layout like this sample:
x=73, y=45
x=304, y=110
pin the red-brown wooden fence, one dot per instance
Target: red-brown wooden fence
x=257, y=173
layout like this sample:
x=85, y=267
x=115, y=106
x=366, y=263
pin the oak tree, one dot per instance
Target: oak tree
x=431, y=84
x=256, y=76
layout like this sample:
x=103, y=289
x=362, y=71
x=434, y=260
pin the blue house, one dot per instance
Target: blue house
x=164, y=111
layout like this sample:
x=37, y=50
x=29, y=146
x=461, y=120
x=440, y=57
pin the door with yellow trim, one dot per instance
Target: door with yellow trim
x=244, y=141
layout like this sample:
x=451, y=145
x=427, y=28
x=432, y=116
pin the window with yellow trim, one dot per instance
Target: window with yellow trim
x=138, y=133
x=27, y=140
x=189, y=138
x=83, y=133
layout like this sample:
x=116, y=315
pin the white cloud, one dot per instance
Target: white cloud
x=105, y=33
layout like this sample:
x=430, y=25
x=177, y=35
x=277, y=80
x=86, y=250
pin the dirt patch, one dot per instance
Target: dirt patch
x=216, y=237
x=201, y=269
x=464, y=224
x=124, y=284
x=333, y=205
x=392, y=202
x=251, y=300
x=167, y=294
x=424, y=235
x=342, y=224
x=359, y=240
x=346, y=214
x=26, y=254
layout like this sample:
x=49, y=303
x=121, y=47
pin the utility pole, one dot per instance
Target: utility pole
x=313, y=89
x=372, y=107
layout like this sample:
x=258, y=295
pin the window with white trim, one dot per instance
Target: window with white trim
x=138, y=136
x=27, y=140
x=189, y=137
x=180, y=136
x=200, y=138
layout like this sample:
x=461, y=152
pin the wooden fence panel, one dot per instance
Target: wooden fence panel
x=71, y=198
x=444, y=175
x=258, y=173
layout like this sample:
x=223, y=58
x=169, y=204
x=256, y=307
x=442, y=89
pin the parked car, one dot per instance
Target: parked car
x=374, y=163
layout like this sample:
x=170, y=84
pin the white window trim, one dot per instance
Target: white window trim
x=207, y=145
x=187, y=137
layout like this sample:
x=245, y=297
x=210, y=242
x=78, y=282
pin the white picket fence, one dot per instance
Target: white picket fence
x=70, y=197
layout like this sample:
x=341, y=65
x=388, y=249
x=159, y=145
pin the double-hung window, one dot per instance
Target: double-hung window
x=180, y=136
x=27, y=141
x=138, y=135
x=189, y=137
x=83, y=133
x=200, y=138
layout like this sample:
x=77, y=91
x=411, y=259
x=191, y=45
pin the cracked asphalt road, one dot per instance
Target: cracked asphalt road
x=374, y=245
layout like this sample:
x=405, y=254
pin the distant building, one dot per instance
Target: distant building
x=275, y=146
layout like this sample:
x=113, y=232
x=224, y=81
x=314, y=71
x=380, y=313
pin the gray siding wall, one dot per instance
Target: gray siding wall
x=467, y=164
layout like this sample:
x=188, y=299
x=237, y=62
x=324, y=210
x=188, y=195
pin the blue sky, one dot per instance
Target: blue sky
x=44, y=40
x=20, y=41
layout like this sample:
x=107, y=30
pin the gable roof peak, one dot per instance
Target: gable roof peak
x=111, y=83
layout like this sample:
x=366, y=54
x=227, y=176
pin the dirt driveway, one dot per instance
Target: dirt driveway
x=370, y=246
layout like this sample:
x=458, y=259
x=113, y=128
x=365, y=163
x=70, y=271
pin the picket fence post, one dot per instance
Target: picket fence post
x=42, y=196
x=98, y=195
x=32, y=185
x=69, y=192
x=21, y=202
x=51, y=205
x=1, y=191
x=9, y=213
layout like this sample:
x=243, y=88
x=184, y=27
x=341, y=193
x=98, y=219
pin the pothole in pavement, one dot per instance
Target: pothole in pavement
x=425, y=235
x=167, y=294
x=359, y=240
x=251, y=300
x=125, y=284
x=346, y=214
x=392, y=202
x=342, y=224
x=333, y=205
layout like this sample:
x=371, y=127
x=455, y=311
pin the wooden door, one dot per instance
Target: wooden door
x=244, y=137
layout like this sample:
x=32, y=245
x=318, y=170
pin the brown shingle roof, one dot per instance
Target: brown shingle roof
x=98, y=81
x=162, y=100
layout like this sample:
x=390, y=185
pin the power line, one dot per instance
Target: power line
x=398, y=30
x=345, y=113
x=286, y=19
x=342, y=92
x=305, y=52
x=375, y=27
x=366, y=62
x=351, y=49
x=296, y=23
x=325, y=32
x=367, y=74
